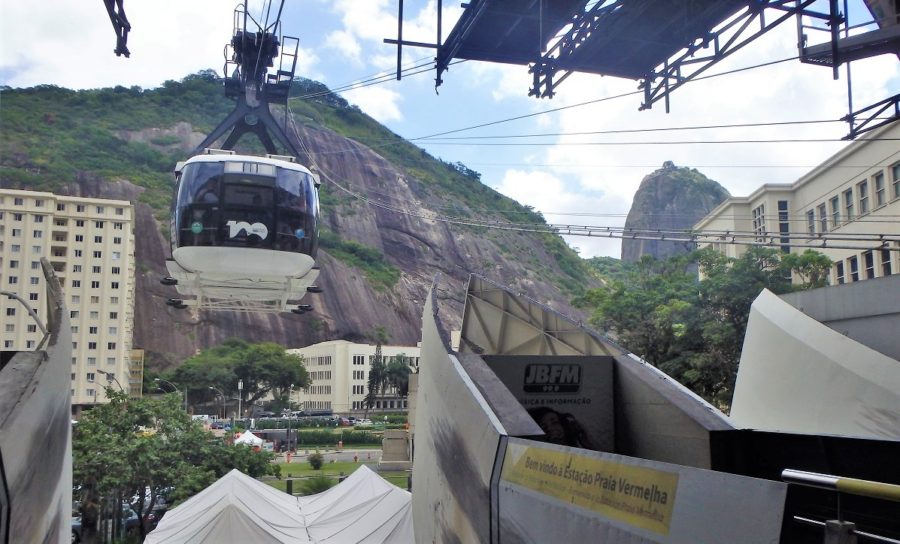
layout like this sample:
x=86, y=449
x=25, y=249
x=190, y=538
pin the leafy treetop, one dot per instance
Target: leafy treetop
x=264, y=368
x=124, y=447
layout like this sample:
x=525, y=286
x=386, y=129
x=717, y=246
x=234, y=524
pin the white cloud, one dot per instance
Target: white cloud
x=345, y=43
x=307, y=62
x=379, y=102
x=565, y=203
x=71, y=43
x=367, y=20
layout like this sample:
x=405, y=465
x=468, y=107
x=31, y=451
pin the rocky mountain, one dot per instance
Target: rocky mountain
x=670, y=199
x=385, y=209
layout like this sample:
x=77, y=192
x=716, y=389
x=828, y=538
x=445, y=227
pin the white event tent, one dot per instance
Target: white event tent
x=249, y=438
x=364, y=508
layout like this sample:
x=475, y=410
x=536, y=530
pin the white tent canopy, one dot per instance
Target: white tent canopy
x=249, y=438
x=364, y=508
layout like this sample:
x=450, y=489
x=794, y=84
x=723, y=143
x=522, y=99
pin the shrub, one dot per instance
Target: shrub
x=317, y=484
x=316, y=461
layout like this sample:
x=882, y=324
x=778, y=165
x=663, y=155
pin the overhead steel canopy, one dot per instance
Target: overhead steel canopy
x=507, y=31
x=622, y=38
x=662, y=43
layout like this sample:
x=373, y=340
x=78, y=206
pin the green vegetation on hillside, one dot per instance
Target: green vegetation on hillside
x=51, y=137
x=370, y=261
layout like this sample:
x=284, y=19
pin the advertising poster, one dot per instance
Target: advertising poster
x=554, y=493
x=570, y=397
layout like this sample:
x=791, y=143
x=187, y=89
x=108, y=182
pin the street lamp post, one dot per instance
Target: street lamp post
x=175, y=387
x=240, y=395
x=110, y=377
x=290, y=414
x=219, y=391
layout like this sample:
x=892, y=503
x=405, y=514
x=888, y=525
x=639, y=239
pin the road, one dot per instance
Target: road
x=345, y=455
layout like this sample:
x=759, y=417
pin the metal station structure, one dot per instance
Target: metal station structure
x=663, y=44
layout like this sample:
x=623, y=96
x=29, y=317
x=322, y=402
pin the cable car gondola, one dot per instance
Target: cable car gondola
x=244, y=232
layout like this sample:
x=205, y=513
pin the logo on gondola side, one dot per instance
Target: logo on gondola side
x=235, y=228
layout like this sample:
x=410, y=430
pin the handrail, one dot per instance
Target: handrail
x=840, y=531
x=850, y=486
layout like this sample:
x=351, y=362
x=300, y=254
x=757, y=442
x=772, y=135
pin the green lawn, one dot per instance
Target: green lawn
x=333, y=470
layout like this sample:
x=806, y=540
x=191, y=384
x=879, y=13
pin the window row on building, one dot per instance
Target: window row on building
x=853, y=202
x=318, y=361
x=64, y=206
x=867, y=265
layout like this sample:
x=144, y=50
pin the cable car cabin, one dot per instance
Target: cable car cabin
x=244, y=233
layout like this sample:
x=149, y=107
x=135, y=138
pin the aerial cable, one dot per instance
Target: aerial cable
x=824, y=241
x=639, y=130
x=595, y=101
x=668, y=142
x=365, y=79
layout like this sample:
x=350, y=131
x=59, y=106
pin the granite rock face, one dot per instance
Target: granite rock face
x=669, y=199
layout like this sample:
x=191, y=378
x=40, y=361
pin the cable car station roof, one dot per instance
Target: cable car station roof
x=663, y=43
x=507, y=31
x=625, y=38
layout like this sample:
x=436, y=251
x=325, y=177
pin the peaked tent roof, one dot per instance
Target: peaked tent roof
x=364, y=508
x=249, y=438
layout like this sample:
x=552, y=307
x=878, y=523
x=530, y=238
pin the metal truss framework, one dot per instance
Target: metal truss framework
x=755, y=19
x=687, y=65
x=247, y=59
x=121, y=26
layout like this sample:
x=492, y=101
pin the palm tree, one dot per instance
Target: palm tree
x=377, y=373
x=398, y=374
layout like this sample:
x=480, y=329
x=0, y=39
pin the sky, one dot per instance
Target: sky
x=571, y=178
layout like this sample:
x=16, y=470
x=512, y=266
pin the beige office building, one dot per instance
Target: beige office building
x=340, y=372
x=90, y=244
x=854, y=195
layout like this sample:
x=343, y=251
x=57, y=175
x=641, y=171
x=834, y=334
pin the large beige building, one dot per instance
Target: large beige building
x=340, y=372
x=90, y=244
x=855, y=194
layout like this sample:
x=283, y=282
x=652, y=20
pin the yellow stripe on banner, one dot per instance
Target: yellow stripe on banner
x=868, y=488
x=642, y=497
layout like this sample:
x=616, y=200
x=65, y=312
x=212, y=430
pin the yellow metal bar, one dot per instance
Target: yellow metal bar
x=868, y=488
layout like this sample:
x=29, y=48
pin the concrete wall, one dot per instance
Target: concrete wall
x=797, y=375
x=457, y=437
x=36, y=434
x=868, y=311
x=658, y=418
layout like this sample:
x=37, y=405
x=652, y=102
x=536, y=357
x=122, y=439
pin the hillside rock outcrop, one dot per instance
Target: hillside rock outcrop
x=669, y=199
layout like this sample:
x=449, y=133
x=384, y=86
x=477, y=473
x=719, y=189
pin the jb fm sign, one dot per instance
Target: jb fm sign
x=552, y=378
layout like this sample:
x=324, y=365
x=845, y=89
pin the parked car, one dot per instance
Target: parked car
x=76, y=528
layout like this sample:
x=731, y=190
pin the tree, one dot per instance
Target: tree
x=397, y=374
x=810, y=266
x=694, y=329
x=264, y=368
x=377, y=372
x=127, y=446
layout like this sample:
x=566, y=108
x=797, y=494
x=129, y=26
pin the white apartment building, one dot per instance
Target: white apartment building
x=340, y=372
x=90, y=244
x=855, y=192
